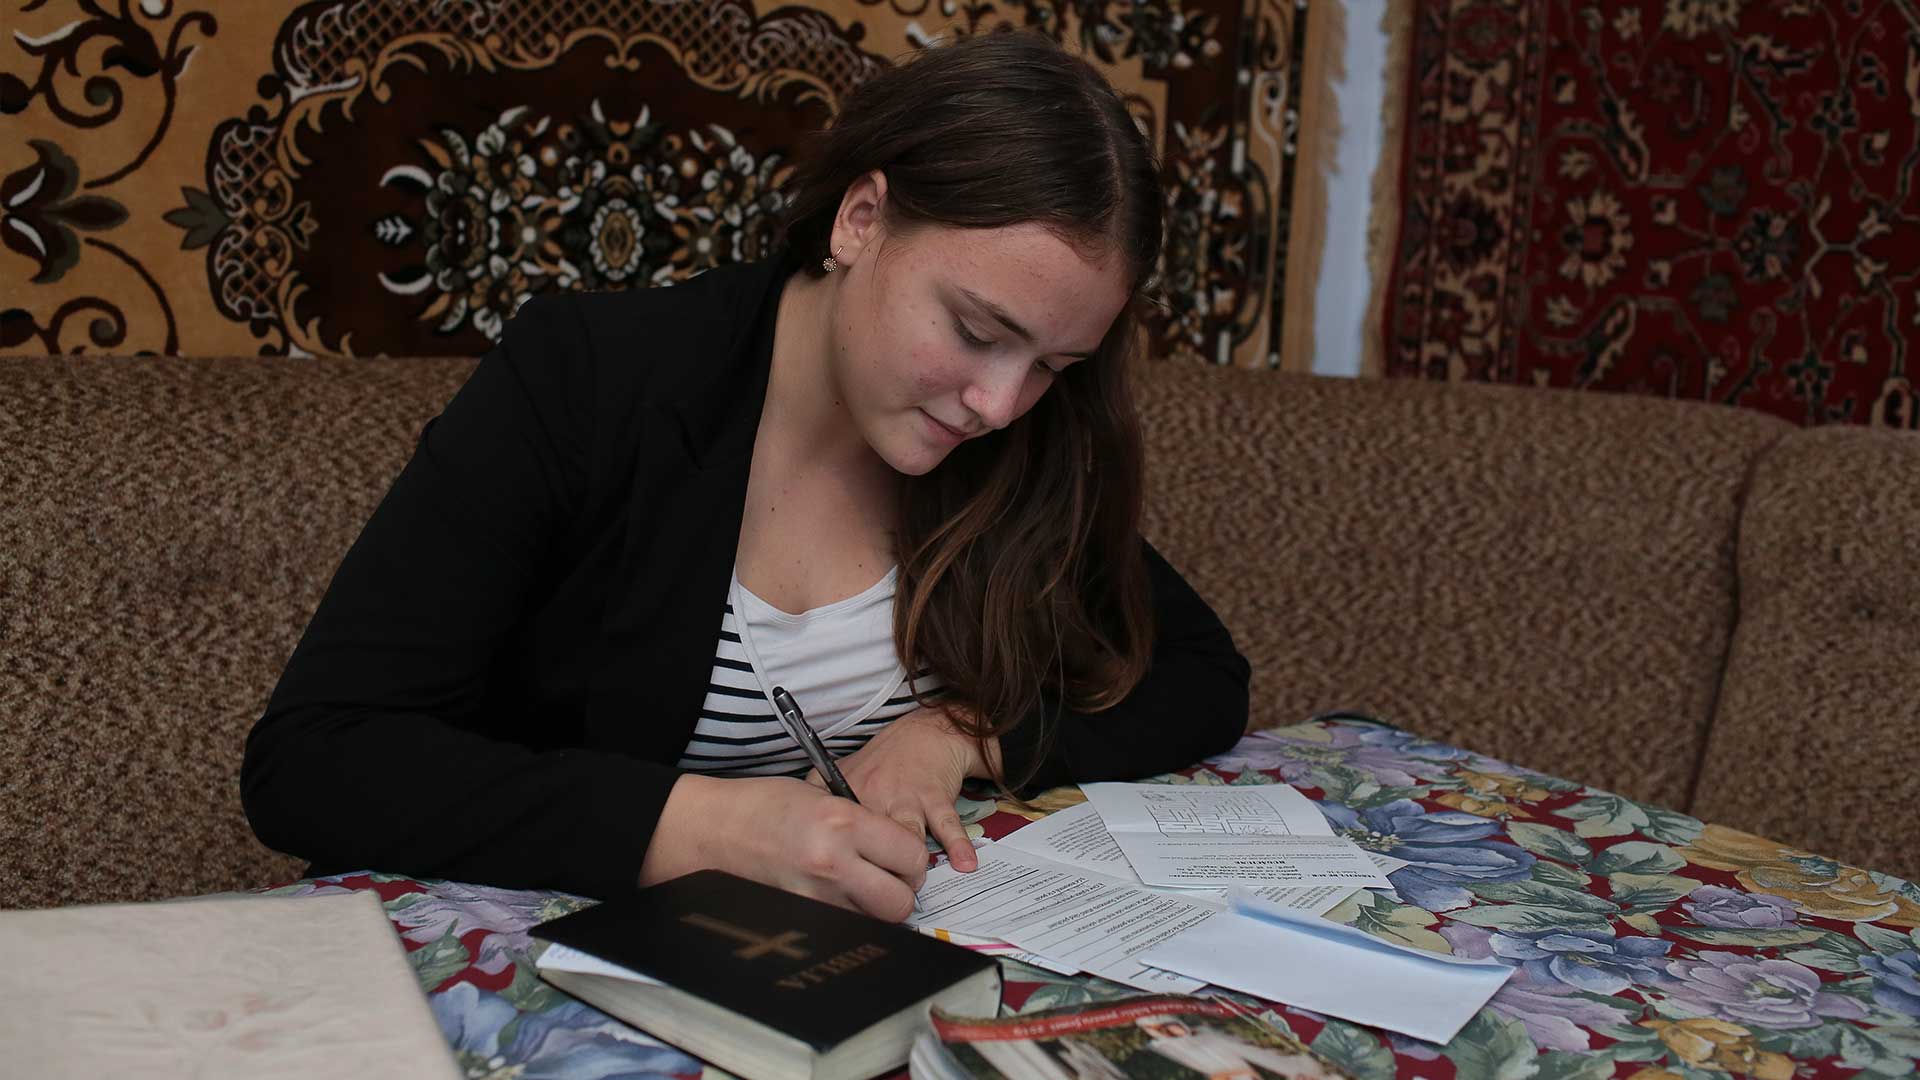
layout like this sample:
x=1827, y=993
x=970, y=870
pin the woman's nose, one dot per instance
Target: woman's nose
x=995, y=397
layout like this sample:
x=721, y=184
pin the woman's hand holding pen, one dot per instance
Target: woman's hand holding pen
x=911, y=772
x=791, y=835
x=868, y=855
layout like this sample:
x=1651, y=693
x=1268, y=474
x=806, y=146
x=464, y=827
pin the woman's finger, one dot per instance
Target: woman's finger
x=892, y=849
x=912, y=822
x=870, y=889
x=953, y=836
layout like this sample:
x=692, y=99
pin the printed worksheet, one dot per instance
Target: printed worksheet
x=1212, y=837
x=1339, y=970
x=1078, y=837
x=1075, y=919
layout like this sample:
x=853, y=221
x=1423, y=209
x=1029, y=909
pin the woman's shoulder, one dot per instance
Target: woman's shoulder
x=669, y=342
x=606, y=362
x=702, y=305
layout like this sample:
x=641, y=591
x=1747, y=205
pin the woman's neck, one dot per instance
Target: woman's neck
x=805, y=423
x=805, y=420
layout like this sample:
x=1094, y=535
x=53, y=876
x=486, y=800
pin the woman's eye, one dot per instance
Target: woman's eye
x=1042, y=365
x=967, y=335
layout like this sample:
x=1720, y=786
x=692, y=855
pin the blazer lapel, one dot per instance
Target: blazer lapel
x=682, y=530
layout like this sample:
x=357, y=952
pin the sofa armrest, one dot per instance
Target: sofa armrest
x=1814, y=739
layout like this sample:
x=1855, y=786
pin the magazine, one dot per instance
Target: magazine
x=1161, y=1037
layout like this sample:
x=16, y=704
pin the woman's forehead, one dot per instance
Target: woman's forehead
x=1054, y=288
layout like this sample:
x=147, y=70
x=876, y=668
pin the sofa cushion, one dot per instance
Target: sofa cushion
x=169, y=527
x=1815, y=742
x=1543, y=576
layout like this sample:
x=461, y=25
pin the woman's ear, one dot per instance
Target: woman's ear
x=858, y=225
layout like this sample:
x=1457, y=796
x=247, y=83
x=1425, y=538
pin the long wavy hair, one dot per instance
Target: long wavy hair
x=1022, y=582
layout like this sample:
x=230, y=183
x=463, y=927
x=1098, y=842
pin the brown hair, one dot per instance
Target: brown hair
x=1021, y=575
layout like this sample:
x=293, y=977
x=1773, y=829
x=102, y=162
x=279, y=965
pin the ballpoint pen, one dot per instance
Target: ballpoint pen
x=796, y=725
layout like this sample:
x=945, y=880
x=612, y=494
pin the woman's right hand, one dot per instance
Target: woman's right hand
x=790, y=834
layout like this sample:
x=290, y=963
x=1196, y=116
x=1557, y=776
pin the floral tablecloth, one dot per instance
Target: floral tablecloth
x=1649, y=946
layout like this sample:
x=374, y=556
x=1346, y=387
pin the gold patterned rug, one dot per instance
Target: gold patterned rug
x=366, y=177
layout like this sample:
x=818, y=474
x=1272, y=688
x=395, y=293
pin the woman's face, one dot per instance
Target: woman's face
x=942, y=335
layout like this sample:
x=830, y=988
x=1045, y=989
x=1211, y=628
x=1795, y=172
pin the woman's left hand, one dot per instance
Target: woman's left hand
x=912, y=771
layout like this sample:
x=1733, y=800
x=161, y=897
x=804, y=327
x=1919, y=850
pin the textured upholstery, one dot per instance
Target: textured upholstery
x=1817, y=737
x=166, y=529
x=1469, y=562
x=1543, y=577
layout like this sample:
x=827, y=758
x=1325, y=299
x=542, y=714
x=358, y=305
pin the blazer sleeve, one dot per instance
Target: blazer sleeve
x=377, y=748
x=1191, y=704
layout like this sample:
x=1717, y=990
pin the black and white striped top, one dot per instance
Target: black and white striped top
x=838, y=662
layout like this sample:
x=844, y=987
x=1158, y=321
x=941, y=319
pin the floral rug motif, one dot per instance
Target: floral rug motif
x=1710, y=200
x=1649, y=945
x=395, y=177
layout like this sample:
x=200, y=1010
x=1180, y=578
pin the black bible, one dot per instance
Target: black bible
x=763, y=982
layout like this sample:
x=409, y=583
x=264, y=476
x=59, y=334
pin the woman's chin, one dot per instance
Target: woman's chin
x=915, y=457
x=918, y=462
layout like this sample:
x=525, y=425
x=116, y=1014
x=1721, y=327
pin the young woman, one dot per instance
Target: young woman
x=896, y=469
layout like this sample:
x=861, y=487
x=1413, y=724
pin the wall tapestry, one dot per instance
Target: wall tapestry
x=1702, y=199
x=368, y=177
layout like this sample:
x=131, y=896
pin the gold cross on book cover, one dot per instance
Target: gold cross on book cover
x=766, y=983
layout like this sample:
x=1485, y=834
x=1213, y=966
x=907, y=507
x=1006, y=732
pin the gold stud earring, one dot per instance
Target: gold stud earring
x=830, y=264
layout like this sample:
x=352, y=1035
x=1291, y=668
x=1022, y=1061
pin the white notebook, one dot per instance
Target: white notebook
x=245, y=986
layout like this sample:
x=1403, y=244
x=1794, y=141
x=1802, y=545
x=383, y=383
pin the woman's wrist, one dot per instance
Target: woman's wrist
x=986, y=763
x=982, y=757
x=679, y=843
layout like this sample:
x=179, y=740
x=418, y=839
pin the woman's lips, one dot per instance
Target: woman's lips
x=941, y=430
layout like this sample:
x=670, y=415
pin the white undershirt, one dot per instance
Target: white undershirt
x=838, y=662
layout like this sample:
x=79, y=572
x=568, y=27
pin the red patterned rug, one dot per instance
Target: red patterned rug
x=1703, y=199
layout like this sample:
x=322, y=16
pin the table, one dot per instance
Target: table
x=1649, y=945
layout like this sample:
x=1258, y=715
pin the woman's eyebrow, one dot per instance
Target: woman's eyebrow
x=1005, y=319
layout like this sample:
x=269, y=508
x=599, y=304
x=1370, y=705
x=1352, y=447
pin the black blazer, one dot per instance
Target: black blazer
x=513, y=654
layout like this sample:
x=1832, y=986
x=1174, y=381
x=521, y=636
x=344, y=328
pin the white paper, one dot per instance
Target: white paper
x=1245, y=901
x=1075, y=836
x=1078, y=837
x=995, y=947
x=1089, y=921
x=558, y=957
x=1046, y=962
x=1387, y=863
x=1319, y=965
x=1255, y=834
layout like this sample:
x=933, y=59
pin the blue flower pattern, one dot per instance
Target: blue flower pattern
x=1448, y=850
x=1573, y=908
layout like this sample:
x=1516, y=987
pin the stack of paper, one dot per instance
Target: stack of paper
x=1072, y=864
x=1078, y=837
x=1266, y=834
x=1265, y=950
x=1170, y=888
x=1079, y=921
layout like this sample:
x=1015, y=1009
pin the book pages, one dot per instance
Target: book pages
x=250, y=987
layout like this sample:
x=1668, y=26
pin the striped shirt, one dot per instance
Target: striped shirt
x=838, y=661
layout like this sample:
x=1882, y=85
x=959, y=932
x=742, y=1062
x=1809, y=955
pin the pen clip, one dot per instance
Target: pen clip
x=796, y=725
x=783, y=701
x=791, y=718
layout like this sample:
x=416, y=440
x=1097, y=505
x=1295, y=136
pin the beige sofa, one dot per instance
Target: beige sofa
x=1696, y=606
